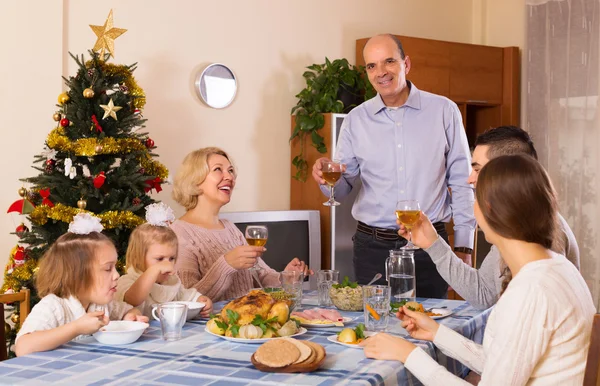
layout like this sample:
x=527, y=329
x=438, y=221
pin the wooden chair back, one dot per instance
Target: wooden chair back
x=22, y=298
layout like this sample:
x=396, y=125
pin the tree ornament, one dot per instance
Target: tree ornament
x=136, y=201
x=142, y=171
x=19, y=256
x=88, y=93
x=56, y=116
x=91, y=72
x=98, y=149
x=63, y=98
x=99, y=180
x=124, y=89
x=22, y=206
x=7, y=329
x=64, y=122
x=96, y=124
x=21, y=230
x=15, y=318
x=50, y=163
x=149, y=143
x=82, y=204
x=110, y=110
x=106, y=36
x=70, y=170
x=45, y=193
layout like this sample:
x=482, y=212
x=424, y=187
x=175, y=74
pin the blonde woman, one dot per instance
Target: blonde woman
x=214, y=256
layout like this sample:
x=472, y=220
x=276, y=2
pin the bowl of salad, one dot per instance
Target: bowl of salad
x=347, y=295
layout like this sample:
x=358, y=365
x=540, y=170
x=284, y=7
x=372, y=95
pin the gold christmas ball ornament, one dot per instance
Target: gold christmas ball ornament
x=22, y=192
x=7, y=329
x=98, y=149
x=63, y=98
x=57, y=117
x=88, y=93
x=15, y=318
x=81, y=204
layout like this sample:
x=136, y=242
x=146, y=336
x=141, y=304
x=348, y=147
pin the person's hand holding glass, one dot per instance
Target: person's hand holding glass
x=408, y=213
x=332, y=172
x=256, y=236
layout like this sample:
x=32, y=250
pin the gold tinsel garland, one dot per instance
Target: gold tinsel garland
x=133, y=89
x=110, y=220
x=19, y=275
x=88, y=147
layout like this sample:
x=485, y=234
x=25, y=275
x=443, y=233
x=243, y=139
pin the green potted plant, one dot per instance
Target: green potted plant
x=331, y=87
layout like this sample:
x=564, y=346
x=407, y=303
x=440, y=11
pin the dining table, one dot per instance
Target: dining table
x=200, y=358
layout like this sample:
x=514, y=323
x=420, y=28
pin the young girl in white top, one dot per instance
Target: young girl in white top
x=150, y=262
x=77, y=281
x=539, y=331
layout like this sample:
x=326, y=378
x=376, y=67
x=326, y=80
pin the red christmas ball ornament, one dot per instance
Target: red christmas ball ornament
x=21, y=230
x=136, y=201
x=64, y=122
x=142, y=171
x=99, y=180
x=149, y=143
x=50, y=162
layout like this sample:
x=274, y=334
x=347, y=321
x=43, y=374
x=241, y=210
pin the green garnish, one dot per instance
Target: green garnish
x=360, y=331
x=297, y=322
x=235, y=329
x=346, y=283
x=232, y=316
x=262, y=323
x=221, y=324
x=396, y=306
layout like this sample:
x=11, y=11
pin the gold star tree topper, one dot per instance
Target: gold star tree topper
x=110, y=109
x=106, y=36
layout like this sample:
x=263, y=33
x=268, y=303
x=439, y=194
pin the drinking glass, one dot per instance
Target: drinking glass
x=325, y=278
x=408, y=213
x=332, y=172
x=376, y=303
x=400, y=275
x=172, y=317
x=256, y=235
x=291, y=282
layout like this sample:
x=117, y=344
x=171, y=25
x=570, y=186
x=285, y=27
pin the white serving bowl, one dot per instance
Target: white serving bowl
x=120, y=332
x=193, y=308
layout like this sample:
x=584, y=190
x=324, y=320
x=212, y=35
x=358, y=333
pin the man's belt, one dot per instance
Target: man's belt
x=390, y=234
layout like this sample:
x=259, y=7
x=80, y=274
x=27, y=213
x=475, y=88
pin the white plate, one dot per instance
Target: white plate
x=301, y=331
x=443, y=311
x=334, y=339
x=324, y=325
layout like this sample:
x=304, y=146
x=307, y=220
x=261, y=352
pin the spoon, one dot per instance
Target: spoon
x=429, y=309
x=375, y=278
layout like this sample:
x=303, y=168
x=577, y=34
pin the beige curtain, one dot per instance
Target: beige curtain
x=562, y=114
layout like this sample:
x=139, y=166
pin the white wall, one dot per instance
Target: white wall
x=267, y=44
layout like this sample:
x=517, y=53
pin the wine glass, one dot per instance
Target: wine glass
x=408, y=213
x=256, y=235
x=332, y=172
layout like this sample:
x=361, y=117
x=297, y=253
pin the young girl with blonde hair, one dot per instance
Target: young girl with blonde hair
x=77, y=281
x=150, y=261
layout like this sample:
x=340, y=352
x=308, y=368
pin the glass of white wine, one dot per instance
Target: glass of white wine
x=408, y=213
x=332, y=172
x=256, y=235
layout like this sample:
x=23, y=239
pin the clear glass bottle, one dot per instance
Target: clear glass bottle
x=400, y=275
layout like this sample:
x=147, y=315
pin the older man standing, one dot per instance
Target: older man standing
x=404, y=144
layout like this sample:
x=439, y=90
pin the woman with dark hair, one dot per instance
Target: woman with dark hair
x=539, y=331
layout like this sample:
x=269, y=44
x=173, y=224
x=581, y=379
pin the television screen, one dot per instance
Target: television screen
x=287, y=239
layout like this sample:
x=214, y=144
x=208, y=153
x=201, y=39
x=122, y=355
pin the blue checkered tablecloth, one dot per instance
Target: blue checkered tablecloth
x=202, y=359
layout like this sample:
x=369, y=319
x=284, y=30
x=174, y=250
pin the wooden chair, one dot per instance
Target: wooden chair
x=24, y=307
x=592, y=368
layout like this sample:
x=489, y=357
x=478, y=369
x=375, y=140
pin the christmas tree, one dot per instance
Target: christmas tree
x=95, y=160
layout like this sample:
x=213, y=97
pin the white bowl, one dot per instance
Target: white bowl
x=193, y=309
x=120, y=332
